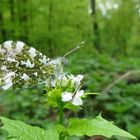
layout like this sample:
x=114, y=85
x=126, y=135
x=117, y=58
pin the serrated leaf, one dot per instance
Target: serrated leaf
x=97, y=126
x=18, y=130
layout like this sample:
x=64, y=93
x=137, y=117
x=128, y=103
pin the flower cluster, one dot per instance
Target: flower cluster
x=70, y=86
x=21, y=65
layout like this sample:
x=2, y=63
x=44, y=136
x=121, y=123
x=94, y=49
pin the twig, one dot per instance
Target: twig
x=124, y=76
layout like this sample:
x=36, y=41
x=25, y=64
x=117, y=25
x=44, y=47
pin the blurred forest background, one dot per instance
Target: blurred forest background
x=110, y=59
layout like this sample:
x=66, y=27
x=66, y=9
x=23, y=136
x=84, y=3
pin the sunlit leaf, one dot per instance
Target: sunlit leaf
x=97, y=126
x=18, y=130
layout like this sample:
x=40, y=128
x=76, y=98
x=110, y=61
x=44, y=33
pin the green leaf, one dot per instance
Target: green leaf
x=87, y=94
x=97, y=126
x=54, y=98
x=60, y=128
x=18, y=130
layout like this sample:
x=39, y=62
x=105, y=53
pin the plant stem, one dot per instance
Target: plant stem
x=61, y=115
x=61, y=120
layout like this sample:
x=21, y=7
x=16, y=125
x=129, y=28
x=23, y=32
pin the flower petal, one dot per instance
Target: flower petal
x=79, y=93
x=77, y=101
x=66, y=96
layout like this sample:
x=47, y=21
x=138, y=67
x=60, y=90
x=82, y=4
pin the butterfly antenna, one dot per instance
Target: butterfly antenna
x=74, y=49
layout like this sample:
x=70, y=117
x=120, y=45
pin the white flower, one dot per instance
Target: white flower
x=66, y=96
x=19, y=46
x=25, y=77
x=32, y=52
x=76, y=80
x=8, y=45
x=8, y=84
x=77, y=98
x=28, y=64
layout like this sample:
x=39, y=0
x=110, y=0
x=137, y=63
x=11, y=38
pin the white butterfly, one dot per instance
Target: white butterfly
x=21, y=65
x=24, y=66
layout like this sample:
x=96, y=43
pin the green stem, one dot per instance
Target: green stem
x=61, y=115
x=61, y=120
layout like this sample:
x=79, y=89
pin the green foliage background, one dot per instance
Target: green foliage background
x=56, y=26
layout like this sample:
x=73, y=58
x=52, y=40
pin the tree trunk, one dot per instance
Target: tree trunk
x=50, y=28
x=2, y=29
x=13, y=16
x=23, y=19
x=92, y=11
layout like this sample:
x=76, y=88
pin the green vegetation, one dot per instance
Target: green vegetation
x=109, y=59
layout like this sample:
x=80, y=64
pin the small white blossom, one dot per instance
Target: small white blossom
x=76, y=80
x=28, y=64
x=77, y=98
x=25, y=77
x=32, y=52
x=66, y=96
x=19, y=46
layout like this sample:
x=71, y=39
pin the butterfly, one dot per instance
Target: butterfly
x=22, y=65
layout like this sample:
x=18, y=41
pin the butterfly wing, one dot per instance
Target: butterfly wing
x=21, y=65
